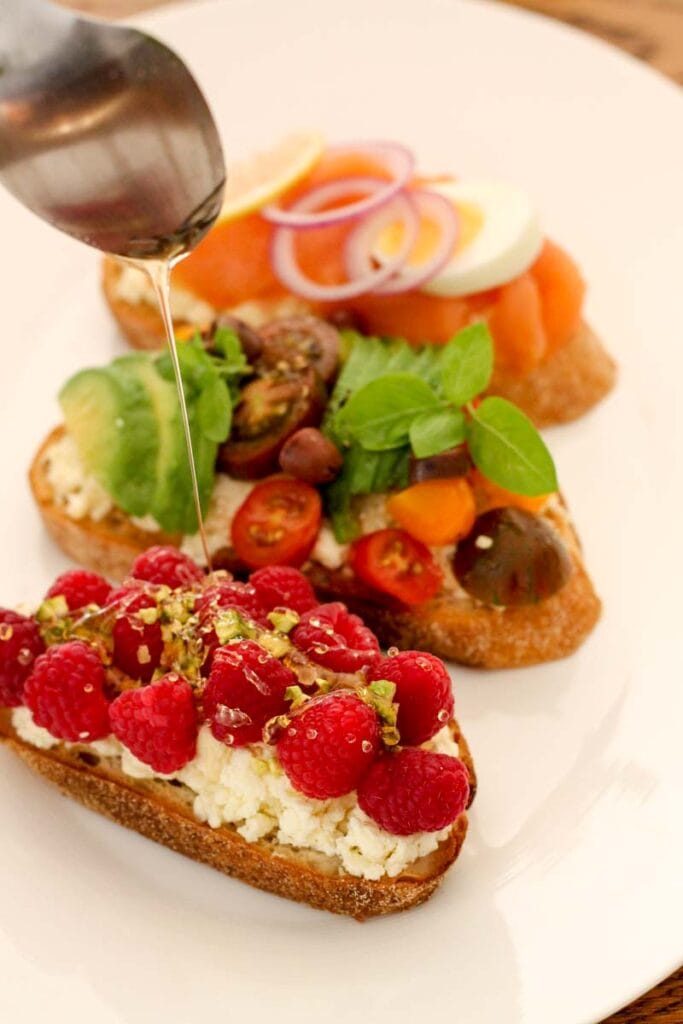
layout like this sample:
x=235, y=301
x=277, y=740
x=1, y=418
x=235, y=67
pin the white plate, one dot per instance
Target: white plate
x=566, y=902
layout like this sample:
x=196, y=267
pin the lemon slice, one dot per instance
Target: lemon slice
x=263, y=177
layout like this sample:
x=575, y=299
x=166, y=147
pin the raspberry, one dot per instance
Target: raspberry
x=281, y=586
x=423, y=693
x=219, y=597
x=158, y=723
x=231, y=594
x=80, y=588
x=65, y=693
x=246, y=687
x=163, y=564
x=414, y=791
x=331, y=636
x=330, y=745
x=20, y=645
x=138, y=645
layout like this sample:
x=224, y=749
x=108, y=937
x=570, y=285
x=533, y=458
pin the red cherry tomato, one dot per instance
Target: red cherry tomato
x=396, y=563
x=277, y=524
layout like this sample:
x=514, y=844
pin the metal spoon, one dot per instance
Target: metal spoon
x=104, y=133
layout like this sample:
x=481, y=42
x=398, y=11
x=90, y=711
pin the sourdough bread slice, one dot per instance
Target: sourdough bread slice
x=162, y=811
x=565, y=385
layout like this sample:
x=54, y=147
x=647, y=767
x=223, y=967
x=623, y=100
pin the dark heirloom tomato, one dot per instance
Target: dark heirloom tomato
x=271, y=409
x=298, y=343
x=277, y=524
x=511, y=557
x=394, y=562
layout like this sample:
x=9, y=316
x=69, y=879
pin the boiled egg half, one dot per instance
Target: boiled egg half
x=499, y=238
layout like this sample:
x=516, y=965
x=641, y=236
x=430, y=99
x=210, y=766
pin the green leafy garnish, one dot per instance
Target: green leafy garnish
x=508, y=449
x=391, y=398
x=363, y=472
x=214, y=410
x=435, y=432
x=467, y=364
x=380, y=414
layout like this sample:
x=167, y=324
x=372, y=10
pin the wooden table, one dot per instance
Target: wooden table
x=653, y=31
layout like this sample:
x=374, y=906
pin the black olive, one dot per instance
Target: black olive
x=453, y=462
x=309, y=455
x=299, y=342
x=271, y=409
x=511, y=557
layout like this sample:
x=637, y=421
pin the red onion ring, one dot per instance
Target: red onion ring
x=303, y=212
x=358, y=255
x=284, y=263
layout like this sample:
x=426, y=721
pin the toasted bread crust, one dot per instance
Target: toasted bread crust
x=451, y=625
x=472, y=634
x=160, y=812
x=565, y=386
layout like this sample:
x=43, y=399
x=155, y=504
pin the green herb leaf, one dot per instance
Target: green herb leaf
x=214, y=410
x=467, y=364
x=227, y=344
x=379, y=415
x=366, y=359
x=508, y=449
x=196, y=366
x=363, y=473
x=435, y=432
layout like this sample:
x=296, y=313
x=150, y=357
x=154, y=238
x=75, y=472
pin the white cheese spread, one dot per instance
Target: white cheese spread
x=245, y=787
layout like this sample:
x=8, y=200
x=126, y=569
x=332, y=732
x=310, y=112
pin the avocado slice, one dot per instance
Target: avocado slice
x=110, y=416
x=172, y=504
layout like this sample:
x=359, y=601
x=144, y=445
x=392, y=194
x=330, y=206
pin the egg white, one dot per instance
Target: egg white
x=506, y=244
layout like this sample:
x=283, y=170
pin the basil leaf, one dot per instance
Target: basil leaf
x=435, y=432
x=508, y=449
x=467, y=364
x=196, y=367
x=379, y=415
x=214, y=410
x=366, y=359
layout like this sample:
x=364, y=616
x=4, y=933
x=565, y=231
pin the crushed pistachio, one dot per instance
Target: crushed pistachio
x=380, y=696
x=275, y=644
x=296, y=696
x=283, y=619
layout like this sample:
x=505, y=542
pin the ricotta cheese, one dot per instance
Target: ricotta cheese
x=79, y=494
x=245, y=787
x=133, y=286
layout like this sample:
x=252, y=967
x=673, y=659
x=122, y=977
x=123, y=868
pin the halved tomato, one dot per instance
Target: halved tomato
x=277, y=524
x=394, y=562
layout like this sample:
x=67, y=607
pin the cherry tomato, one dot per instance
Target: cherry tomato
x=396, y=563
x=277, y=524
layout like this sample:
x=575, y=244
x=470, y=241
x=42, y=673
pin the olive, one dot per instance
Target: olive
x=453, y=462
x=271, y=409
x=298, y=342
x=309, y=455
x=250, y=341
x=511, y=557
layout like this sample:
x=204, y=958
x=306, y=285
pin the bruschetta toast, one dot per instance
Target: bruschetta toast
x=188, y=711
x=385, y=502
x=314, y=247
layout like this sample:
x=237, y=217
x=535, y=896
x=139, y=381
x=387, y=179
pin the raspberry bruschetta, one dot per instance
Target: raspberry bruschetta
x=244, y=725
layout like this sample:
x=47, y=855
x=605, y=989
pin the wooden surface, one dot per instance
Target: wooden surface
x=653, y=31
